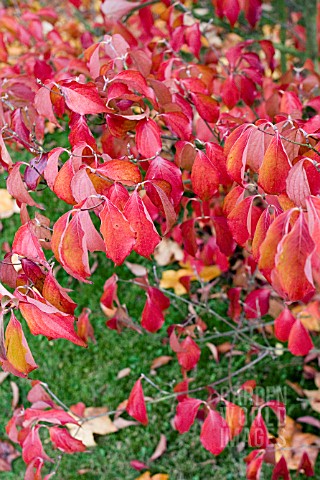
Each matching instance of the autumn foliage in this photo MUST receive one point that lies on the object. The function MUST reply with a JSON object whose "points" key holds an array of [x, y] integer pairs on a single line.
{"points": [[176, 135]]}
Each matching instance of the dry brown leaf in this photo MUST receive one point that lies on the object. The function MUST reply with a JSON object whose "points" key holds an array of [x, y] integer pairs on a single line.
{"points": [[7, 455], [123, 373], [160, 361], [8, 205], [101, 425], [168, 252], [15, 394], [160, 448], [292, 443], [296, 387]]}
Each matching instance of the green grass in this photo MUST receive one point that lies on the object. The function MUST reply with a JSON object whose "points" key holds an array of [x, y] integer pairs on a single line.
{"points": [[90, 375]]}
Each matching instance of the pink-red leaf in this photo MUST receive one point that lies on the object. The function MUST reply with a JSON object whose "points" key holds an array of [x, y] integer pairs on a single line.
{"points": [[215, 433], [118, 235], [136, 406], [299, 342], [148, 138], [186, 413]]}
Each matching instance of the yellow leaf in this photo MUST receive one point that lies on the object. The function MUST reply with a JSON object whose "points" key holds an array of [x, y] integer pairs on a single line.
{"points": [[171, 278]]}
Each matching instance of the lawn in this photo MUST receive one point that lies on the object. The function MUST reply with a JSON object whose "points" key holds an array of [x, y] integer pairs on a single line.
{"points": [[90, 376]]}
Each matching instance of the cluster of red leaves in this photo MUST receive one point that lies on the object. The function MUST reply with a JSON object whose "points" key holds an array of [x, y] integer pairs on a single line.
{"points": [[24, 427], [158, 146]]}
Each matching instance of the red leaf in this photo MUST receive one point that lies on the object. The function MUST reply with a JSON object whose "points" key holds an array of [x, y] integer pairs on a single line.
{"points": [[258, 434], [207, 107], [305, 465], [204, 177], [110, 292], [43, 320], [17, 189], [256, 304], [136, 406], [147, 237], [119, 236], [189, 355], [281, 470], [121, 171], [283, 324], [189, 237], [243, 219], [32, 448], [80, 132], [234, 310], [152, 316], [179, 124], [254, 464], [300, 342], [186, 413], [160, 199], [214, 433], [59, 417], [82, 98], [61, 439], [229, 92], [148, 138], [26, 244], [278, 408], [162, 169]]}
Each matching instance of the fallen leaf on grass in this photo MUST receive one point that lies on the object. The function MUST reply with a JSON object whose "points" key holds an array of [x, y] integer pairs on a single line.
{"points": [[3, 376], [7, 455], [8, 205], [123, 373], [314, 399], [160, 448], [213, 349], [168, 252], [101, 425], [15, 394], [136, 269], [121, 423], [160, 361], [171, 278], [292, 443], [157, 476], [310, 421]]}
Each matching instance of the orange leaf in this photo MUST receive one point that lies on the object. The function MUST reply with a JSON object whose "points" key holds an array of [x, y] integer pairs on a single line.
{"points": [[275, 167]]}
